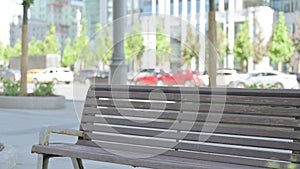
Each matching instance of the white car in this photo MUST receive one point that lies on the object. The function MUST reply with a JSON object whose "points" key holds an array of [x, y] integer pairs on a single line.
{"points": [[55, 75], [225, 77], [269, 79]]}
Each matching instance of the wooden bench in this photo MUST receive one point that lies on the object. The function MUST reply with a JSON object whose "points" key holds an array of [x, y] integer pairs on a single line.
{"points": [[173, 127]]}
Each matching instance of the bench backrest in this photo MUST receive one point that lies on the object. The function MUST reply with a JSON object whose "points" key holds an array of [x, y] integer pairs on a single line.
{"points": [[255, 127]]}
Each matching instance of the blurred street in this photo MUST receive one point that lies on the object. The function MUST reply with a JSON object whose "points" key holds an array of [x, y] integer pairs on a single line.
{"points": [[20, 129]]}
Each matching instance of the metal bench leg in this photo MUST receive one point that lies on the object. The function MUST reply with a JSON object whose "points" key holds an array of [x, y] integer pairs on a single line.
{"points": [[43, 162], [77, 163]]}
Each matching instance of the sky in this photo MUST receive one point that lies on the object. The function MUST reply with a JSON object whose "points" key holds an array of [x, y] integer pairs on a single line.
{"points": [[8, 8]]}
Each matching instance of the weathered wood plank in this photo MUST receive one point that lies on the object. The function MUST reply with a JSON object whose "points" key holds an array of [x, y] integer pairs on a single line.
{"points": [[195, 117], [204, 98]]}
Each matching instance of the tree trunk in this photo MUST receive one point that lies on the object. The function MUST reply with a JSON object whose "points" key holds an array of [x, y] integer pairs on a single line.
{"points": [[212, 60], [24, 58]]}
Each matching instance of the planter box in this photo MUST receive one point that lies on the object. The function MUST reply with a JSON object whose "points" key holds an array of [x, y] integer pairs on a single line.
{"points": [[32, 102]]}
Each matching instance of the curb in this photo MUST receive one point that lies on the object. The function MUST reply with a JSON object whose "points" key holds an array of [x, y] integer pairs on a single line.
{"points": [[8, 157], [31, 102]]}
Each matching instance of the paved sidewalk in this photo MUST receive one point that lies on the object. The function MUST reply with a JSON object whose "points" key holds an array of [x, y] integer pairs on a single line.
{"points": [[20, 129]]}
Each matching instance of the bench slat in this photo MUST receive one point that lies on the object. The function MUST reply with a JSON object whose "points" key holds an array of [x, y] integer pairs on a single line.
{"points": [[201, 90], [182, 154], [222, 139], [190, 146], [158, 162], [251, 100], [194, 107], [220, 128], [194, 117]]}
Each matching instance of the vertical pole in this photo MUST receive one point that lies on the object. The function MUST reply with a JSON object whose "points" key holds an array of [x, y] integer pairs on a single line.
{"points": [[118, 67], [212, 60], [230, 20], [24, 58], [202, 36]]}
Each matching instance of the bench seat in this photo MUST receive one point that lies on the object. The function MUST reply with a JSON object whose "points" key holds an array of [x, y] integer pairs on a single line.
{"points": [[174, 127], [160, 161]]}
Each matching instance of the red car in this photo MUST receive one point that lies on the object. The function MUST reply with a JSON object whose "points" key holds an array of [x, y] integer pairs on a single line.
{"points": [[181, 77], [147, 77]]}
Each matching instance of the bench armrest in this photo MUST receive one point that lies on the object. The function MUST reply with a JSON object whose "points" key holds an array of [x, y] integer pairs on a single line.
{"points": [[46, 131]]}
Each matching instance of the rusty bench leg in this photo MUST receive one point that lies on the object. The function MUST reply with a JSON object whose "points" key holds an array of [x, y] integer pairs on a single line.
{"points": [[77, 163], [43, 161]]}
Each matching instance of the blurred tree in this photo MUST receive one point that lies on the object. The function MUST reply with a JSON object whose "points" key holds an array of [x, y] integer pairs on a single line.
{"points": [[17, 50], [253, 3], [81, 46], [191, 46], [51, 42], [68, 58], [7, 53], [243, 48], [35, 47], [163, 46], [260, 49], [24, 59], [281, 47], [221, 43], [104, 44], [1, 50], [134, 47], [296, 37]]}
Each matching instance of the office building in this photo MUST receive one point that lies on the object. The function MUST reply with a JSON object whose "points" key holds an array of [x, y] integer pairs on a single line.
{"points": [[64, 14], [36, 29], [101, 12]]}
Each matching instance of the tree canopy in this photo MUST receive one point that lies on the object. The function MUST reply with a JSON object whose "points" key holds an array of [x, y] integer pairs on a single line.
{"points": [[68, 58], [163, 46], [104, 44], [281, 47], [52, 45], [134, 47], [243, 48], [191, 46]]}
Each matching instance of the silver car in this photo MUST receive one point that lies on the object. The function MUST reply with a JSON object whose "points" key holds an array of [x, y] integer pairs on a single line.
{"points": [[268, 79]]}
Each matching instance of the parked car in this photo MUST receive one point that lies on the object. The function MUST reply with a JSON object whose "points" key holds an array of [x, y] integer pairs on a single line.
{"points": [[83, 75], [55, 75], [101, 77], [297, 74], [11, 74], [181, 77], [273, 79], [31, 72], [226, 76], [147, 76]]}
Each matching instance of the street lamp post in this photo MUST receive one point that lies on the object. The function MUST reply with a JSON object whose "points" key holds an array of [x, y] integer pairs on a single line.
{"points": [[118, 67]]}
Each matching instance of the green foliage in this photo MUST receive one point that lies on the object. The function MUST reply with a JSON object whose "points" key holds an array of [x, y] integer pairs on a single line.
{"points": [[44, 89], [260, 49], [297, 37], [191, 46], [28, 2], [134, 47], [51, 42], [104, 44], [221, 43], [68, 58], [268, 86], [281, 47], [1, 51], [36, 47], [243, 48], [17, 50], [11, 88], [163, 46], [81, 45]]}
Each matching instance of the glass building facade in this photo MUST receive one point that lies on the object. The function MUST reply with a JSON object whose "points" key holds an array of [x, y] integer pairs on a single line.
{"points": [[61, 13]]}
